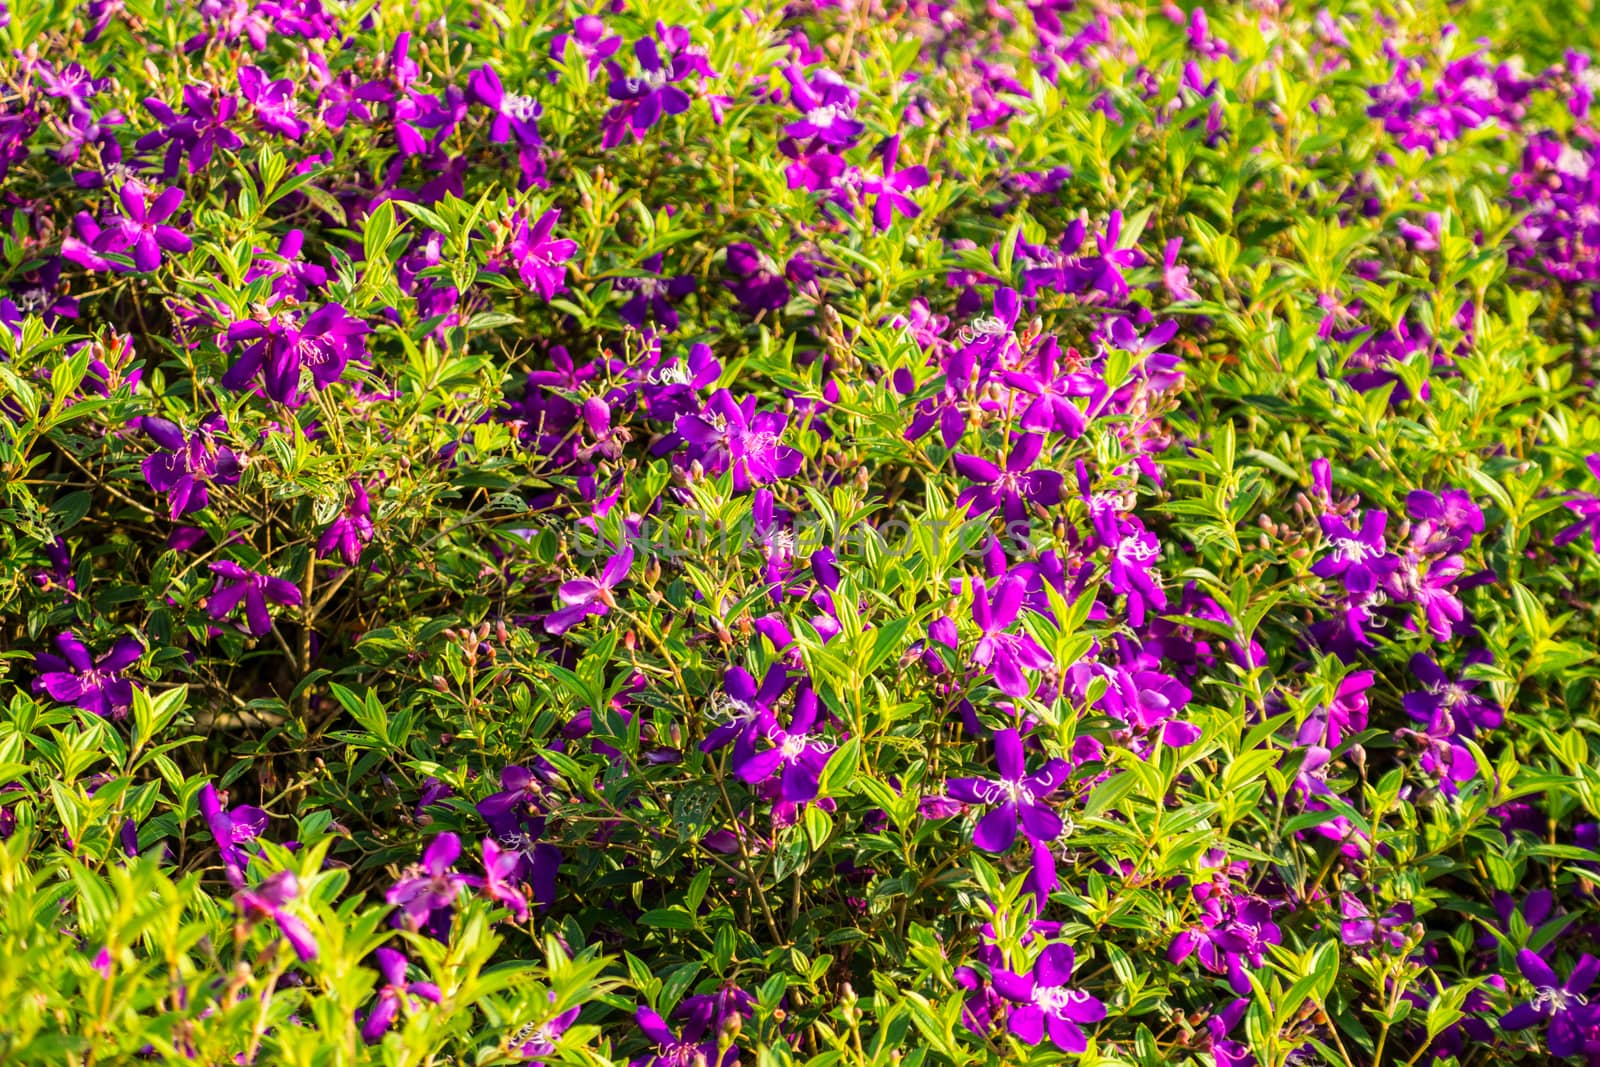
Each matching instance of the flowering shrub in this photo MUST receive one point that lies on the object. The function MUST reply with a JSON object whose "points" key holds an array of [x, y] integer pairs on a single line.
{"points": [[831, 533]]}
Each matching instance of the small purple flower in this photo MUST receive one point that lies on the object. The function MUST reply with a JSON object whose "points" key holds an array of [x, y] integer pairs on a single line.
{"points": [[1564, 1004], [95, 685], [1587, 507], [188, 466], [352, 530], [268, 900], [431, 886], [231, 828], [515, 115], [1016, 796], [540, 261], [1046, 1004], [692, 1046], [583, 597], [827, 108], [324, 343], [532, 1043], [276, 108], [653, 296], [1005, 655], [501, 868], [1013, 488], [142, 227], [730, 434], [1359, 556], [644, 97], [235, 584], [392, 990], [796, 755]]}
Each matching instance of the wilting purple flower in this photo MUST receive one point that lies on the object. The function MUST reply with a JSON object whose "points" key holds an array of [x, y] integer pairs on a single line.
{"points": [[1046, 1004], [392, 989], [1564, 1004], [267, 901], [796, 755], [325, 344], [584, 597], [95, 685], [758, 283], [230, 829], [1016, 796], [142, 227], [432, 885], [515, 115], [348, 533], [540, 261], [235, 584], [188, 467], [1005, 655]]}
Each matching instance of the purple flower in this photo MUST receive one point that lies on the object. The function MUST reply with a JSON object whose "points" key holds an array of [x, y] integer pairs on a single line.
{"points": [[276, 109], [1359, 556], [644, 97], [589, 38], [325, 344], [267, 901], [1587, 507], [747, 708], [352, 530], [391, 992], [1449, 703], [1013, 488], [501, 870], [583, 597], [540, 261], [827, 108], [758, 283], [730, 434], [1005, 655], [1564, 1004], [796, 755], [187, 467], [1016, 796], [515, 115], [540, 1040], [1234, 934], [1046, 1004], [693, 1045], [142, 227], [653, 296], [95, 685], [230, 829], [235, 584], [432, 885]]}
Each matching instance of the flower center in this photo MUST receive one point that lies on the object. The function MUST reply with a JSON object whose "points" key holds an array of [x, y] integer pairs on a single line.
{"points": [[1054, 999], [1552, 1000], [518, 106], [647, 80], [982, 326], [824, 116], [794, 745], [1350, 550]]}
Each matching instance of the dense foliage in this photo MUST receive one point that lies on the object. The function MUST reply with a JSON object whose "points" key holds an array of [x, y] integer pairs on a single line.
{"points": [[854, 532]]}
